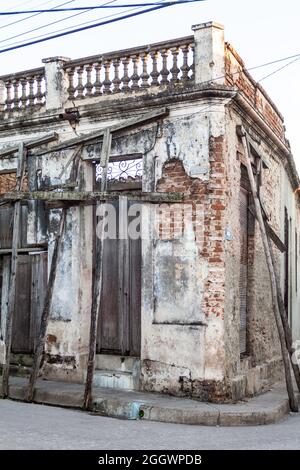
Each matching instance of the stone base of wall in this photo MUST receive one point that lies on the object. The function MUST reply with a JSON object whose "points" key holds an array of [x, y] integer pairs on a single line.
{"points": [[165, 378], [255, 380]]}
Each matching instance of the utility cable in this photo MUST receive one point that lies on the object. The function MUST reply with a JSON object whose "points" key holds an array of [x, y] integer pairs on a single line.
{"points": [[278, 70], [32, 16], [77, 30], [46, 25], [58, 10]]}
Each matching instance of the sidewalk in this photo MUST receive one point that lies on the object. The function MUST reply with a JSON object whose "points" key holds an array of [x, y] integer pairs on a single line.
{"points": [[267, 408]]}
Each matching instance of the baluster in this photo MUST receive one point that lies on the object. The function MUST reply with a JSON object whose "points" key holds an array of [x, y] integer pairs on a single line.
{"points": [[31, 96], [116, 81], [155, 73], [71, 88], [107, 81], [192, 67], [16, 99], [2, 96], [98, 82], [8, 101], [125, 78], [135, 76], [145, 75], [175, 70], [164, 71], [89, 84], [80, 87], [185, 68], [39, 94], [24, 92]]}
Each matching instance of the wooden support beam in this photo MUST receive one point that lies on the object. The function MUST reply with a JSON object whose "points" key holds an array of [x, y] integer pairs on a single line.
{"points": [[285, 323], [95, 136], [7, 152], [34, 249], [46, 310], [97, 285], [14, 269], [85, 196], [285, 356]]}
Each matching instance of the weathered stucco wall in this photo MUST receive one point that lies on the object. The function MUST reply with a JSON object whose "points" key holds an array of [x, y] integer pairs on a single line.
{"points": [[190, 280]]}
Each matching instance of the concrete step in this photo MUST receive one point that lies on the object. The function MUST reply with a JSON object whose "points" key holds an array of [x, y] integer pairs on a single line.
{"points": [[21, 359], [122, 380], [117, 363], [17, 370]]}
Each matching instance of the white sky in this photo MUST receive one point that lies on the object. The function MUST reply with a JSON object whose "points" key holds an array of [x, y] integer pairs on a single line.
{"points": [[260, 30]]}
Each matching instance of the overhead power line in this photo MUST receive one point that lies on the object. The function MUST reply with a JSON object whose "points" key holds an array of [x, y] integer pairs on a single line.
{"points": [[102, 23], [98, 7], [278, 70], [49, 24], [32, 16]]}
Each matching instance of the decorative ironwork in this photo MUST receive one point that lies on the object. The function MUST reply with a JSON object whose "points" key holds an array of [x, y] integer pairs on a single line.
{"points": [[122, 170]]}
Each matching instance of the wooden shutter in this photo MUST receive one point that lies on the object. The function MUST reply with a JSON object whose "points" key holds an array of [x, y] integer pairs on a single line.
{"points": [[243, 284]]}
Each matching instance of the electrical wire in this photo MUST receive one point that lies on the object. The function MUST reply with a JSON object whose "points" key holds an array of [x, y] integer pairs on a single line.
{"points": [[119, 18], [58, 10], [32, 16], [46, 25], [278, 70], [21, 4]]}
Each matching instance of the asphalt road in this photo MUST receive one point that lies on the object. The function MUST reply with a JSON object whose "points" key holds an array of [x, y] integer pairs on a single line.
{"points": [[28, 426]]}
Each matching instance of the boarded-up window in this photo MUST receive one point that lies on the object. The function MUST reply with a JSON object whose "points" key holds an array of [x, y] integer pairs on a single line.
{"points": [[31, 285], [296, 261], [6, 227], [243, 284]]}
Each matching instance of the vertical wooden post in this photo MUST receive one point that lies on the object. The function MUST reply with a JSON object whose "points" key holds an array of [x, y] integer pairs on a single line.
{"points": [[285, 356], [285, 323], [46, 310], [14, 269], [97, 287]]}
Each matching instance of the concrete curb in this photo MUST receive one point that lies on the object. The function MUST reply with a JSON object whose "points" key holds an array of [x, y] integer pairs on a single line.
{"points": [[268, 408]]}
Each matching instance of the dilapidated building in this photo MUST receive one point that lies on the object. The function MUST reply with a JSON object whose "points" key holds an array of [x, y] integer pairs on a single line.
{"points": [[185, 308]]}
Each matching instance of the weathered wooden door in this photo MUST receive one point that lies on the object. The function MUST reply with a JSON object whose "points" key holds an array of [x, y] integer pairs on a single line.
{"points": [[31, 285], [119, 326], [243, 283]]}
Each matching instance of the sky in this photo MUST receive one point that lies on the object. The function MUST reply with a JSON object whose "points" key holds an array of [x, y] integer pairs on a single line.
{"points": [[260, 30]]}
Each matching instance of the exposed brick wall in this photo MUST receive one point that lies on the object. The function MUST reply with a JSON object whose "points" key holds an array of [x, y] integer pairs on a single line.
{"points": [[235, 76], [7, 182], [210, 237]]}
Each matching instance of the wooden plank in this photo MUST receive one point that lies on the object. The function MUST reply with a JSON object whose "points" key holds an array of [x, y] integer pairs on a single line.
{"points": [[46, 311], [285, 323], [275, 238], [134, 301], [7, 152], [14, 269], [105, 158], [7, 251], [39, 279], [6, 227], [243, 278], [108, 337], [98, 280], [20, 343], [285, 356], [95, 136], [6, 266], [101, 196]]}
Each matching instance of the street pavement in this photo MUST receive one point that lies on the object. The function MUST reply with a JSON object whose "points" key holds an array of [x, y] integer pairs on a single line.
{"points": [[30, 426]]}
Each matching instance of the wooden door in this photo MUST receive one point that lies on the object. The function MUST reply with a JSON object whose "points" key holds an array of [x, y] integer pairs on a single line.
{"points": [[31, 283], [119, 326], [243, 282]]}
